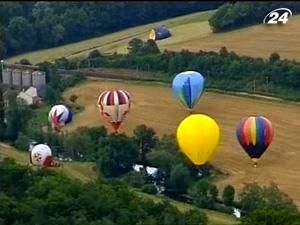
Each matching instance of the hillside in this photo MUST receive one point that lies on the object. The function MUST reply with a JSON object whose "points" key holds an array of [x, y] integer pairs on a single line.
{"points": [[190, 32], [152, 105], [85, 173]]}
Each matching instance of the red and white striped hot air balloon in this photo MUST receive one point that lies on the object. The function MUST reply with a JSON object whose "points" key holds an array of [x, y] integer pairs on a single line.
{"points": [[114, 105]]}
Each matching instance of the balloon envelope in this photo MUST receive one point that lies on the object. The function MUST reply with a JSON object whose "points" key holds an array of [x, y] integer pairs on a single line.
{"points": [[59, 116], [255, 134], [198, 136], [41, 155], [188, 87], [114, 105]]}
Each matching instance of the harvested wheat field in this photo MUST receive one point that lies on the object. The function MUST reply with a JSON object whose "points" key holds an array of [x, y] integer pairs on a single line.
{"points": [[156, 107], [255, 41]]}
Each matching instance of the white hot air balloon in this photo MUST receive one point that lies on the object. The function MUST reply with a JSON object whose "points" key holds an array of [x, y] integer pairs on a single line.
{"points": [[41, 155]]}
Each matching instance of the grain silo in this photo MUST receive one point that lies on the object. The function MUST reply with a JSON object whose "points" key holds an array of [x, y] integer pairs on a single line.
{"points": [[7, 76], [26, 78], [38, 79], [16, 77]]}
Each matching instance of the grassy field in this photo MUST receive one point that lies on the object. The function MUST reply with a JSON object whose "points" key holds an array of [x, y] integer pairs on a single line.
{"points": [[190, 32], [117, 41], [215, 218], [85, 173], [156, 107]]}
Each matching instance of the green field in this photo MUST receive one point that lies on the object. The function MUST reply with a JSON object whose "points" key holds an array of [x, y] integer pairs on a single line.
{"points": [[85, 173], [189, 32], [108, 43]]}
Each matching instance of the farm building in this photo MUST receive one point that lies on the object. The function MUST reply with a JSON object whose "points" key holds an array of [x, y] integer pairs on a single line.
{"points": [[23, 76], [30, 96], [159, 33]]}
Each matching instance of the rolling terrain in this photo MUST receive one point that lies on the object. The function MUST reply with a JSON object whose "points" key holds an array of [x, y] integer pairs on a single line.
{"points": [[189, 32], [155, 106]]}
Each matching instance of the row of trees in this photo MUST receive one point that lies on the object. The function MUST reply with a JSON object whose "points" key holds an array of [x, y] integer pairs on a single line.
{"points": [[232, 16], [43, 24], [223, 70]]}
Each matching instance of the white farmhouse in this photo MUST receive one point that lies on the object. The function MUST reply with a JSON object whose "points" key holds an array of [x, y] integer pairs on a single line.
{"points": [[30, 96]]}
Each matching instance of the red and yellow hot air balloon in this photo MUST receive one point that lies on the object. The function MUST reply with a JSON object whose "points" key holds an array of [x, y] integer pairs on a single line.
{"points": [[255, 134], [114, 105]]}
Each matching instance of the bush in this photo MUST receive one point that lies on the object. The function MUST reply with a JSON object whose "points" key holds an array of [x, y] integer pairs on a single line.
{"points": [[94, 54], [73, 98], [25, 62], [134, 179], [149, 189], [22, 142]]}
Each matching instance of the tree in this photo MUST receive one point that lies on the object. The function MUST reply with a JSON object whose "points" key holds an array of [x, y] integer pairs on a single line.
{"points": [[134, 179], [145, 137], [135, 46], [195, 217], [274, 57], [58, 33], [180, 179], [79, 147], [25, 61], [228, 195], [254, 197], [116, 155], [172, 68], [203, 194], [150, 47], [271, 217], [223, 51], [149, 188], [52, 95], [62, 63], [163, 160], [21, 34], [214, 192], [97, 134], [73, 98], [22, 142], [17, 116], [94, 54], [2, 107]]}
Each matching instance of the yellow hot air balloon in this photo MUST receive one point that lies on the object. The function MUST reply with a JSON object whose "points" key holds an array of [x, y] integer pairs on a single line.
{"points": [[198, 136]]}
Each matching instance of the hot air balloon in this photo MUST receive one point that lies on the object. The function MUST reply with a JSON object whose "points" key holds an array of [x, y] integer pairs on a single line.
{"points": [[59, 116], [198, 136], [188, 87], [41, 156], [114, 105], [255, 134]]}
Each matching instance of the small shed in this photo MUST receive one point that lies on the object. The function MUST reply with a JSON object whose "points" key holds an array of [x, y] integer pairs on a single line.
{"points": [[159, 33]]}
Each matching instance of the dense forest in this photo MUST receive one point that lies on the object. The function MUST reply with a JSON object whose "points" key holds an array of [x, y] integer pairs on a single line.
{"points": [[27, 26], [240, 14]]}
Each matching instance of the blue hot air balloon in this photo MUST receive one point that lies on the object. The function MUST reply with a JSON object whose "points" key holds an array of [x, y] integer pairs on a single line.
{"points": [[188, 87]]}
